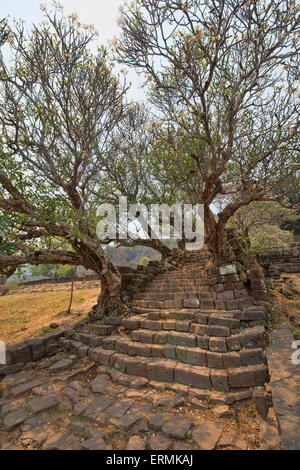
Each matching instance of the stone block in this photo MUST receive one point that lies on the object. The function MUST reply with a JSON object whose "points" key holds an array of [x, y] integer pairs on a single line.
{"points": [[231, 360], [136, 366], [121, 345], [191, 303], [157, 350], [193, 376], [102, 356], [234, 343], [253, 337], [183, 326], [219, 380], [151, 325], [240, 293], [161, 371], [11, 369], [159, 338], [202, 342], [220, 305], [219, 287], [214, 360], [37, 347], [20, 353], [248, 376], [217, 344], [201, 318], [193, 356], [120, 362], [252, 356], [169, 325], [227, 269], [220, 331], [207, 305], [132, 323], [231, 304], [202, 330], [227, 295], [182, 339], [146, 336], [170, 351], [139, 349], [233, 397]]}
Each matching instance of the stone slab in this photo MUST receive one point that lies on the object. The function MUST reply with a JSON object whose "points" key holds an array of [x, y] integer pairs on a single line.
{"points": [[285, 385]]}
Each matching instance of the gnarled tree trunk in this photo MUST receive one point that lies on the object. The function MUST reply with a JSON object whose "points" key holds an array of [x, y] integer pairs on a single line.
{"points": [[109, 300], [215, 238]]}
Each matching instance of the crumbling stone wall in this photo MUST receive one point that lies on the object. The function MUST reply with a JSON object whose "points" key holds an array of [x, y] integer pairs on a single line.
{"points": [[135, 280], [22, 355], [277, 261]]}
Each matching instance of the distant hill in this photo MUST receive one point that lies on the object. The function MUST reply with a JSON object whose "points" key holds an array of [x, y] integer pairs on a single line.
{"points": [[123, 256]]}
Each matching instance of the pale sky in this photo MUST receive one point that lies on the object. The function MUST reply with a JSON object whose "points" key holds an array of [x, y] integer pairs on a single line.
{"points": [[101, 13]]}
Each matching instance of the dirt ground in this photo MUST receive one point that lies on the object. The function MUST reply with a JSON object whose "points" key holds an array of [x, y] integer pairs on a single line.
{"points": [[35, 310]]}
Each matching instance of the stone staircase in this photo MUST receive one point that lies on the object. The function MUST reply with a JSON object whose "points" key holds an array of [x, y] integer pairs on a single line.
{"points": [[186, 333]]}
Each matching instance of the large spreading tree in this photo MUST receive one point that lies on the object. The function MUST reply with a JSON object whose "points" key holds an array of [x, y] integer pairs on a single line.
{"points": [[224, 78], [61, 112], [70, 141]]}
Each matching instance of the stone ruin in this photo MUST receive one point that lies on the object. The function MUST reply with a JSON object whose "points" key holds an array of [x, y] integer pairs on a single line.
{"points": [[198, 335], [185, 328]]}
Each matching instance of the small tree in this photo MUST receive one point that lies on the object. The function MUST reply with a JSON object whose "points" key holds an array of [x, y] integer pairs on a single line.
{"points": [[261, 216], [144, 261], [223, 76], [70, 142], [267, 237]]}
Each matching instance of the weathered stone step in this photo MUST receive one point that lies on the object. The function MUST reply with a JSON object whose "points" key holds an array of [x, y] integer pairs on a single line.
{"points": [[189, 326], [97, 329], [163, 296], [176, 281], [163, 370], [175, 295], [179, 277], [185, 327], [198, 324], [175, 303], [249, 315], [195, 395], [215, 354], [180, 288], [75, 347], [91, 340], [206, 304], [187, 321], [248, 338]]}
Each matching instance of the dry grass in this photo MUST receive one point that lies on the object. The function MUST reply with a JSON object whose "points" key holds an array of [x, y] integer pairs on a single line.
{"points": [[24, 315]]}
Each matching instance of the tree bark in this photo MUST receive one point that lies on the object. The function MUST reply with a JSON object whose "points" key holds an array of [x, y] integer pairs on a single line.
{"points": [[109, 301], [215, 238], [72, 290]]}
